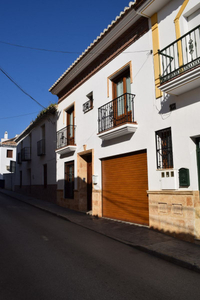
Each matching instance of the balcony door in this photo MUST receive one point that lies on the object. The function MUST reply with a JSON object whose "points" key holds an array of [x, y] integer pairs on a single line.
{"points": [[122, 104], [70, 127]]}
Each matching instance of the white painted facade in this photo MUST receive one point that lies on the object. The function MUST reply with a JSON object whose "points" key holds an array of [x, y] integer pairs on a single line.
{"points": [[31, 167], [87, 124], [7, 148], [151, 113]]}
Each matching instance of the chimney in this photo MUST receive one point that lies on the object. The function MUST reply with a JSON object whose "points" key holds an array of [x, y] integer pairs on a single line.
{"points": [[5, 135]]}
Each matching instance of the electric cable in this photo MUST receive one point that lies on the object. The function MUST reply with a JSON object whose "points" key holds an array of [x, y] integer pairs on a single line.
{"points": [[18, 116], [19, 87], [60, 51]]}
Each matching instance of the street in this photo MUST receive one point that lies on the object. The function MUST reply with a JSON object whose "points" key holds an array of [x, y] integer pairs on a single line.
{"points": [[45, 257]]}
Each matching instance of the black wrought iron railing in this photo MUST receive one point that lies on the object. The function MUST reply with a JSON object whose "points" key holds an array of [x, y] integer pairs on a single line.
{"points": [[26, 154], [116, 112], [180, 56], [66, 136], [41, 147]]}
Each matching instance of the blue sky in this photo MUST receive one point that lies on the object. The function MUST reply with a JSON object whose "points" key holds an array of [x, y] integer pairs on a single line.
{"points": [[59, 25]]}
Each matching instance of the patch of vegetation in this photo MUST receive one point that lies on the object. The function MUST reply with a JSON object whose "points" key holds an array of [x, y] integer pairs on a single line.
{"points": [[50, 109]]}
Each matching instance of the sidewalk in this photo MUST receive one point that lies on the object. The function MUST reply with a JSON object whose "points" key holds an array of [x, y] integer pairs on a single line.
{"points": [[179, 252]]}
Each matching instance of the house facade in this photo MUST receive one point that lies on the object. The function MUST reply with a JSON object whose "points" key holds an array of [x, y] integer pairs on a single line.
{"points": [[103, 134], [7, 156], [174, 205], [35, 173], [128, 126]]}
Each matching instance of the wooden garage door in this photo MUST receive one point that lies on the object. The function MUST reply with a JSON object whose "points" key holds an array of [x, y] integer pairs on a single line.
{"points": [[125, 186]]}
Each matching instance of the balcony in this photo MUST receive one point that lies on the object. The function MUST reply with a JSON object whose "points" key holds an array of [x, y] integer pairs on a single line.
{"points": [[26, 154], [41, 147], [116, 118], [66, 140], [180, 64]]}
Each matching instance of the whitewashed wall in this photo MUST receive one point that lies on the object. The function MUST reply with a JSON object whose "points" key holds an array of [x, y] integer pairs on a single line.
{"points": [[87, 124], [184, 121], [37, 162], [151, 114], [4, 160]]}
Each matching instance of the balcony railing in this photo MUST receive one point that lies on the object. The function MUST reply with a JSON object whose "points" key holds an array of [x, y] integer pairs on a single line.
{"points": [[180, 56], [41, 147], [66, 136], [26, 154], [116, 112]]}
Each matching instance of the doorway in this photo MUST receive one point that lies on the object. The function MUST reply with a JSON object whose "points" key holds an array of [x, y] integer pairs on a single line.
{"points": [[89, 181], [85, 180], [198, 159]]}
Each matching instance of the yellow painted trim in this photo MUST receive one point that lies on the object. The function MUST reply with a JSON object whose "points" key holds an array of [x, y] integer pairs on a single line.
{"points": [[156, 46], [181, 10], [115, 73], [178, 31]]}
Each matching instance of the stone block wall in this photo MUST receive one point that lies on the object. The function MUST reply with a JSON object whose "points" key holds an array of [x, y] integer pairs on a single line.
{"points": [[176, 213]]}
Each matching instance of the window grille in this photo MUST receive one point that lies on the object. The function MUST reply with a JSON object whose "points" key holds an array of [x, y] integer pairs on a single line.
{"points": [[164, 149]]}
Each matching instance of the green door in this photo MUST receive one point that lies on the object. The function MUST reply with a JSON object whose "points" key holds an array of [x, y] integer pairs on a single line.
{"points": [[198, 159]]}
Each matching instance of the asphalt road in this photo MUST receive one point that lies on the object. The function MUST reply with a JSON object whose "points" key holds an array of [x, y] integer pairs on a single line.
{"points": [[45, 257]]}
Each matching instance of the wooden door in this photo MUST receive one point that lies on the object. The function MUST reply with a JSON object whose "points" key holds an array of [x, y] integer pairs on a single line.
{"points": [[70, 127], [124, 188], [122, 103], [89, 183]]}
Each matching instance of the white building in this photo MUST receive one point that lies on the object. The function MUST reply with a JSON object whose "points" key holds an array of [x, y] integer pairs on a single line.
{"points": [[174, 183], [7, 154], [36, 162], [128, 125]]}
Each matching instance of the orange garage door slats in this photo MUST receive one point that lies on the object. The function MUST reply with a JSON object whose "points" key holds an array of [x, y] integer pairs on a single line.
{"points": [[125, 183]]}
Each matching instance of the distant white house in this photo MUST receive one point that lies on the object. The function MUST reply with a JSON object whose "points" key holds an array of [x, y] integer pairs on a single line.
{"points": [[35, 173], [7, 154]]}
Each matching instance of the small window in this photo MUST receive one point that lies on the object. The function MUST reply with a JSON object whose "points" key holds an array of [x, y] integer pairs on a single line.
{"points": [[45, 175], [10, 153], [89, 104], [20, 179], [164, 149], [69, 180]]}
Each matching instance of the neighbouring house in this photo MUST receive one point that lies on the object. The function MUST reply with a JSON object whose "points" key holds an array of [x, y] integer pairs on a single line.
{"points": [[35, 173], [128, 137], [7, 161], [174, 179]]}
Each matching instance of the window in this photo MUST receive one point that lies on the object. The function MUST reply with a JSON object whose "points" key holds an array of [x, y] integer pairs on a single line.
{"points": [[43, 131], [45, 175], [89, 104], [164, 149], [70, 127], [10, 153], [41, 143], [69, 180], [122, 106], [20, 179]]}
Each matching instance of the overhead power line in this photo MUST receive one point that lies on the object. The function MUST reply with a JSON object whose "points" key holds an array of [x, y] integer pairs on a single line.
{"points": [[39, 49], [19, 87], [18, 116], [60, 51]]}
